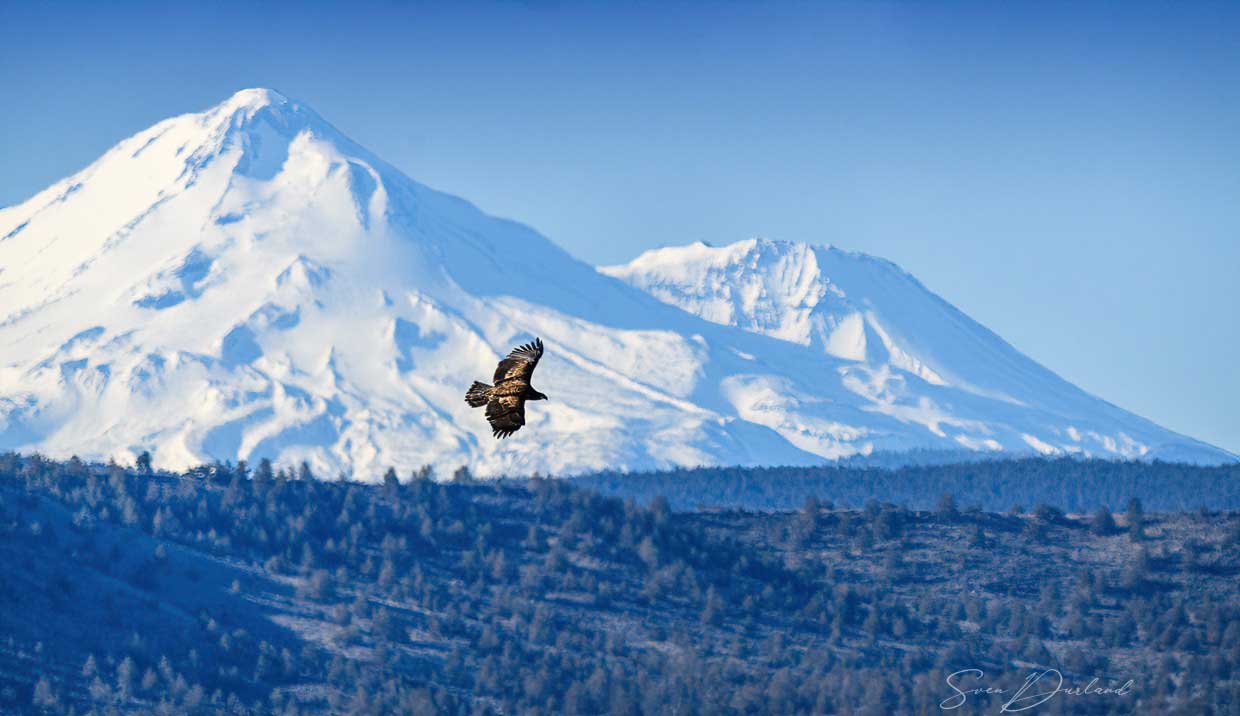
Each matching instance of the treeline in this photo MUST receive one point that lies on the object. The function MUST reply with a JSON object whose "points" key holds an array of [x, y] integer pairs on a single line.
{"points": [[231, 590], [1068, 484]]}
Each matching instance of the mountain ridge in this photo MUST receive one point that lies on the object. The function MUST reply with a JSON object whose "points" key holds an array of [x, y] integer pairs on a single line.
{"points": [[248, 282]]}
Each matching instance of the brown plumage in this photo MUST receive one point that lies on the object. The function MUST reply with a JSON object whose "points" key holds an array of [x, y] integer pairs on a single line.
{"points": [[505, 400]]}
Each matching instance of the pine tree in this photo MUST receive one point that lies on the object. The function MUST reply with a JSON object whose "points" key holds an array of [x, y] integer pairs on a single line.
{"points": [[1103, 523], [265, 474], [947, 506], [44, 696]]}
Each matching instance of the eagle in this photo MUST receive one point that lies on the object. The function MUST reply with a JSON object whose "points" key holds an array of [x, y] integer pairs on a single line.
{"points": [[505, 400]]}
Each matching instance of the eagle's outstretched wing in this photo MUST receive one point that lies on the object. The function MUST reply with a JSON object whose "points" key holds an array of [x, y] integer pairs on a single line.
{"points": [[519, 365], [506, 413]]}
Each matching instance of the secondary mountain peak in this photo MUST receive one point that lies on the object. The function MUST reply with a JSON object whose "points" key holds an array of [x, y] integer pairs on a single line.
{"points": [[792, 291]]}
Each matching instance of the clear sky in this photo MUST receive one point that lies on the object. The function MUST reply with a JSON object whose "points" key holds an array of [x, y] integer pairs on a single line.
{"points": [[1068, 174]]}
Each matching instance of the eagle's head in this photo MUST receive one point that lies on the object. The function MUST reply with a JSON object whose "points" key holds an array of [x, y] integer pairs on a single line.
{"points": [[535, 395]]}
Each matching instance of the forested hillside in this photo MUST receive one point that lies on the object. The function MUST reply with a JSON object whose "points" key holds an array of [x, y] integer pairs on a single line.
{"points": [[230, 590], [1069, 484]]}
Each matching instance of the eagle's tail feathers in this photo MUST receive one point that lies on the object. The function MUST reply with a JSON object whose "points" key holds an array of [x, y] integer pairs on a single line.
{"points": [[478, 394]]}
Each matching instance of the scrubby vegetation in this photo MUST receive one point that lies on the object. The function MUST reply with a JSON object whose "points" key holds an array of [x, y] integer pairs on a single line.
{"points": [[231, 590]]}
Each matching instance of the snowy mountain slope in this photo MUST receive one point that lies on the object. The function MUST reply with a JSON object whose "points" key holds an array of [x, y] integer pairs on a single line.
{"points": [[248, 282]]}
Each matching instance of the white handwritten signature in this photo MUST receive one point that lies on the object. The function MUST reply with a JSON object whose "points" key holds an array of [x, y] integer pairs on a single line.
{"points": [[1049, 684]]}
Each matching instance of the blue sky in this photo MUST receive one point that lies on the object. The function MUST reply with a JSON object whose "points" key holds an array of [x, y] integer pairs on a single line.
{"points": [[1068, 174]]}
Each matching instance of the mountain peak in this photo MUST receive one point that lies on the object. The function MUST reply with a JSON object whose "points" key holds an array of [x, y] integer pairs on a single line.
{"points": [[253, 99], [258, 110]]}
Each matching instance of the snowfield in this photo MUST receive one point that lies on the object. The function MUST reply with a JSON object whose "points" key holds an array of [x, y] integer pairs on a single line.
{"points": [[248, 282]]}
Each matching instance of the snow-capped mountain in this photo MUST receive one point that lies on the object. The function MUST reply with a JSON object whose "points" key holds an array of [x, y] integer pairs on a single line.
{"points": [[864, 310], [905, 351], [248, 282]]}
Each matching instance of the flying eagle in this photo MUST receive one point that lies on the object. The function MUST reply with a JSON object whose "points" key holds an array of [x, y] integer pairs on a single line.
{"points": [[505, 400]]}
